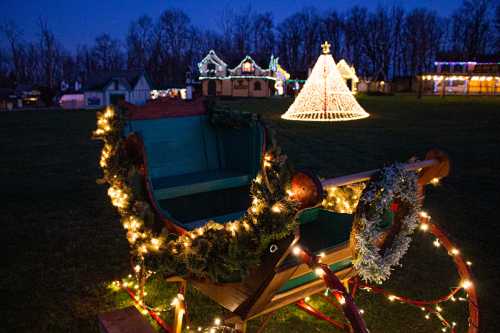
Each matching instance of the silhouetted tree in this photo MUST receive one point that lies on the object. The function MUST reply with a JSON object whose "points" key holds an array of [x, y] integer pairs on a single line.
{"points": [[421, 39], [139, 42], [263, 37], [107, 54], [333, 31], [471, 28], [355, 25]]}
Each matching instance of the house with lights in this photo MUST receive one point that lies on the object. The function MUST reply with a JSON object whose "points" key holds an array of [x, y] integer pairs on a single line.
{"points": [[102, 89], [247, 79], [463, 78]]}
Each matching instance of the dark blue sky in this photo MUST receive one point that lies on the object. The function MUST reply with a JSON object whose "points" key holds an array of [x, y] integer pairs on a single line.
{"points": [[79, 22]]}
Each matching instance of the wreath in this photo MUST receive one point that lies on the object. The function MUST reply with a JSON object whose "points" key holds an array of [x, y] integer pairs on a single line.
{"points": [[386, 216], [216, 251]]}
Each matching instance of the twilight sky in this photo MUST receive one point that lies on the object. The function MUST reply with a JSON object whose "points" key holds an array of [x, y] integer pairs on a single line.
{"points": [[79, 22]]}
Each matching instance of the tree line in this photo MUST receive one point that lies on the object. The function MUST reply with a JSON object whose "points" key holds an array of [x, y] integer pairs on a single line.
{"points": [[388, 42]]}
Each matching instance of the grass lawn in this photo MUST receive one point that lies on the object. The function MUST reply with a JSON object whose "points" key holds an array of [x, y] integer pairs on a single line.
{"points": [[64, 244]]}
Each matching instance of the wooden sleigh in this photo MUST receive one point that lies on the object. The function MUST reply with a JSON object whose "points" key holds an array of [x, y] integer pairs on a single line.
{"points": [[187, 162]]}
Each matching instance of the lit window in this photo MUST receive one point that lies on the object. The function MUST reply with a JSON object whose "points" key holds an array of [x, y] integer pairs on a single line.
{"points": [[247, 67]]}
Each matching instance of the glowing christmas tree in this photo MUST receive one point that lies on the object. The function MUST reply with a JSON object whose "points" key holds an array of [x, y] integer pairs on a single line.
{"points": [[325, 96]]}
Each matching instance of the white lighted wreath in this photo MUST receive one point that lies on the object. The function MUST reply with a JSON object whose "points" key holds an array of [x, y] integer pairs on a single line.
{"points": [[391, 184]]}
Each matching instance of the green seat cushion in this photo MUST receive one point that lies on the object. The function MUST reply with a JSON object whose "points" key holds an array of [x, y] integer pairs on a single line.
{"points": [[309, 277], [197, 182]]}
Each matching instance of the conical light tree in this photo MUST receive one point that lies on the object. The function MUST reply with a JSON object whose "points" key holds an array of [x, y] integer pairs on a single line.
{"points": [[325, 96]]}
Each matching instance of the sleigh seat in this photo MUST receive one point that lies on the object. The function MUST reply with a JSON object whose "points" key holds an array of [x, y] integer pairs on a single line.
{"points": [[197, 171]]}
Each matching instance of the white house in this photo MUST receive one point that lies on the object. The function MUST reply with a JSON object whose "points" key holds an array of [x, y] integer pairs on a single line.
{"points": [[247, 79], [348, 73], [109, 88]]}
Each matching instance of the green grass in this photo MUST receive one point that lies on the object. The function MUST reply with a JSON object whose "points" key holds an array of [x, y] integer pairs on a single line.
{"points": [[63, 243]]}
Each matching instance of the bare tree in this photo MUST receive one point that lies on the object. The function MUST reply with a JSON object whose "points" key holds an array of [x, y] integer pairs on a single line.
{"points": [[107, 54], [290, 43], [471, 26], [227, 30], [33, 64], [422, 35], [174, 28], [5, 69], [377, 41], [49, 54], [397, 18], [497, 28], [333, 31], [355, 25], [139, 42], [310, 25], [13, 35], [263, 37], [242, 31], [84, 62]]}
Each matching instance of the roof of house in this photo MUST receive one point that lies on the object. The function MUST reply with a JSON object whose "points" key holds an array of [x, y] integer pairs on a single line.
{"points": [[98, 81]]}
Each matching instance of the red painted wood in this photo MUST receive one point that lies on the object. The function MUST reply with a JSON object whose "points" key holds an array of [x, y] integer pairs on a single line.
{"points": [[165, 108], [351, 311], [463, 271], [167, 328], [366, 175], [320, 315]]}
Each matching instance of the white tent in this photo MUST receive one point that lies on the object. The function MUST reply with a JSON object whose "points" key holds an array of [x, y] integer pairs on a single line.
{"points": [[325, 96]]}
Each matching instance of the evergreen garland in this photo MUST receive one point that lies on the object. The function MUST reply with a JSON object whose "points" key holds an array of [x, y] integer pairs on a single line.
{"points": [[219, 252]]}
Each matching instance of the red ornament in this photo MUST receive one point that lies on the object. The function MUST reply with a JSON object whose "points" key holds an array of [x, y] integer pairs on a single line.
{"points": [[394, 207], [306, 189]]}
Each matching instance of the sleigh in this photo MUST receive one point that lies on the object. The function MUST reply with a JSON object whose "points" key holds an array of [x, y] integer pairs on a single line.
{"points": [[186, 161]]}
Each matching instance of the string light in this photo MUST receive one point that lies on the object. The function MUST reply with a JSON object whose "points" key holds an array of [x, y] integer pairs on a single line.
{"points": [[343, 199], [296, 250], [276, 208], [435, 181], [466, 284], [319, 271], [424, 226], [424, 215], [325, 96]]}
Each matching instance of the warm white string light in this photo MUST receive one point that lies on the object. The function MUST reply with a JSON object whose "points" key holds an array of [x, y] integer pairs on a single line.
{"points": [[325, 96]]}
